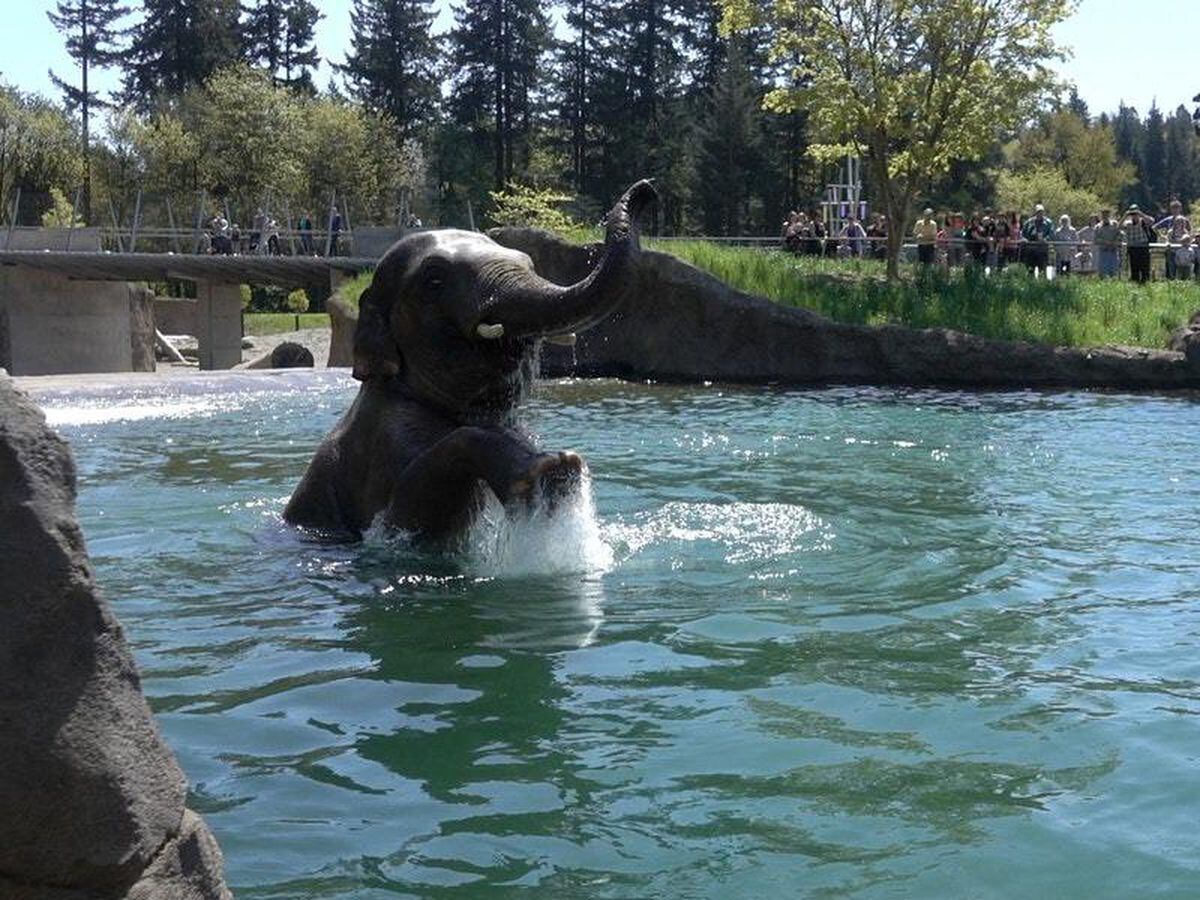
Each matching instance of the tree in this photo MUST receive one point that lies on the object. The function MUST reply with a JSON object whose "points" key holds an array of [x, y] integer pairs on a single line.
{"points": [[909, 85], [392, 63], [1181, 156], [178, 45], [39, 151], [90, 27], [278, 35], [729, 140], [1086, 154], [498, 45], [1021, 190], [1154, 159]]}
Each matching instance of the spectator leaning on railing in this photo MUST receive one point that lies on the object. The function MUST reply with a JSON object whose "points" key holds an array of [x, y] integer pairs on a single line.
{"points": [[1066, 244], [1037, 232], [1184, 256], [1173, 228], [925, 232], [1139, 235], [1108, 245]]}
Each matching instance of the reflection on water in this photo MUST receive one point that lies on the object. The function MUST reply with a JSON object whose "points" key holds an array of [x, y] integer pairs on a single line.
{"points": [[844, 643]]}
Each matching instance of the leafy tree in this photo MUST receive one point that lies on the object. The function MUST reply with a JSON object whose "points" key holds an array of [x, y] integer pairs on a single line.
{"points": [[1086, 154], [278, 35], [392, 63], [1022, 190], [532, 207], [909, 85], [177, 46], [62, 212], [92, 35], [39, 151]]}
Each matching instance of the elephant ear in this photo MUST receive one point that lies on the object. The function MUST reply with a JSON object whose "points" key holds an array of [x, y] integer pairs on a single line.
{"points": [[376, 355]]}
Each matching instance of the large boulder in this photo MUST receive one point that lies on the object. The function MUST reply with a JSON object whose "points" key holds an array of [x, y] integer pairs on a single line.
{"points": [[92, 799], [682, 324], [343, 319]]}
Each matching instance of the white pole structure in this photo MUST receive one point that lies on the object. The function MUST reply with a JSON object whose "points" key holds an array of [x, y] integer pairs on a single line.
{"points": [[199, 220], [470, 215], [112, 212], [346, 226], [329, 223], [171, 220], [12, 216], [291, 231]]}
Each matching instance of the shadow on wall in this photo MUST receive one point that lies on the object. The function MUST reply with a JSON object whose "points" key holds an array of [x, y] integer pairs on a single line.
{"points": [[92, 799]]}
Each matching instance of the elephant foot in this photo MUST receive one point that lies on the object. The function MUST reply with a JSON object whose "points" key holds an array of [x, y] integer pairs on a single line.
{"points": [[553, 478]]}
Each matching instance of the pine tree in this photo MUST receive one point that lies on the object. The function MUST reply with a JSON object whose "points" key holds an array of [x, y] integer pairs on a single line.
{"points": [[178, 45], [1130, 137], [92, 36], [392, 64], [498, 46], [278, 35], [729, 141], [1154, 159], [576, 81], [1181, 156]]}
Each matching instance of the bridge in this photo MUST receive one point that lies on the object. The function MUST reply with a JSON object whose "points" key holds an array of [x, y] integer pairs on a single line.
{"points": [[81, 310]]}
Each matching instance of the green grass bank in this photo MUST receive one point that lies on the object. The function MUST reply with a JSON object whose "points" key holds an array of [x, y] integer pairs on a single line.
{"points": [[278, 323], [1074, 311]]}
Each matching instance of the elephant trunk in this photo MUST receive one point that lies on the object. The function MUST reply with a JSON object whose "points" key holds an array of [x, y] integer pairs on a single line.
{"points": [[519, 303]]}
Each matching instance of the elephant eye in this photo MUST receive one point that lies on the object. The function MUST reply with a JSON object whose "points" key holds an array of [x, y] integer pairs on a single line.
{"points": [[433, 278]]}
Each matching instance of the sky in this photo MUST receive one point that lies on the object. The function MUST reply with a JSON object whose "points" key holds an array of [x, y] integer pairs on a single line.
{"points": [[1122, 50]]}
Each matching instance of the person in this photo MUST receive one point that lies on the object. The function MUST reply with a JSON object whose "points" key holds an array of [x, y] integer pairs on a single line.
{"points": [[1173, 227], [854, 235], [926, 233], [1139, 235], [1185, 258], [1108, 245], [977, 241], [1037, 232], [335, 230], [1066, 244], [1085, 259], [305, 227], [258, 227], [1012, 243]]}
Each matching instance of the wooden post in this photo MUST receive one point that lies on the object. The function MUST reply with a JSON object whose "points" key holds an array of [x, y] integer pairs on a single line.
{"points": [[137, 216], [116, 226]]}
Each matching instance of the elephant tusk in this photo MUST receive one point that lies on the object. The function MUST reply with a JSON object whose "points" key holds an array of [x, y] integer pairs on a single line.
{"points": [[489, 332], [563, 340]]}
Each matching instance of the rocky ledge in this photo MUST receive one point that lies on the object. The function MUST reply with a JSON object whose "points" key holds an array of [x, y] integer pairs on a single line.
{"points": [[682, 324], [92, 799]]}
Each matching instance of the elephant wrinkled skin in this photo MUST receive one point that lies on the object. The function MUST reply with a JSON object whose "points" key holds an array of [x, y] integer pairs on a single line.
{"points": [[446, 344]]}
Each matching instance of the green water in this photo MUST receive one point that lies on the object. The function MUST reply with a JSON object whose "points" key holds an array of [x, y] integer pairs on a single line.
{"points": [[840, 643]]}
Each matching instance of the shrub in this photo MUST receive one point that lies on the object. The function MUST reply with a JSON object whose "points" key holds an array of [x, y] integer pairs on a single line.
{"points": [[531, 207], [296, 301]]}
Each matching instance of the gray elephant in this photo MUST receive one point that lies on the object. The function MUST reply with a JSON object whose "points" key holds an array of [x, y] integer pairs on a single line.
{"points": [[445, 347]]}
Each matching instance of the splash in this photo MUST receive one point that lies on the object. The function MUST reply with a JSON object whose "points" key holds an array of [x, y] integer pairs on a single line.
{"points": [[566, 540]]}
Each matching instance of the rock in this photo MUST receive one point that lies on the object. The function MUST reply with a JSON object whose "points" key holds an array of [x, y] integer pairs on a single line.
{"points": [[247, 343], [1191, 348], [290, 355], [90, 795], [343, 319], [1179, 337], [141, 327], [682, 324]]}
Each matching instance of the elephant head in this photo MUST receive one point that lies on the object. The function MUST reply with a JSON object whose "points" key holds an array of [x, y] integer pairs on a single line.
{"points": [[453, 319]]}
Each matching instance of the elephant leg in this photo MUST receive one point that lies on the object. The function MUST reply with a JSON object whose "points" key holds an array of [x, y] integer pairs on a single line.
{"points": [[437, 492]]}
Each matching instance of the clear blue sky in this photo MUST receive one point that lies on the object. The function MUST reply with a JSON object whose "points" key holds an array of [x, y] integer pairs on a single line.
{"points": [[1122, 49]]}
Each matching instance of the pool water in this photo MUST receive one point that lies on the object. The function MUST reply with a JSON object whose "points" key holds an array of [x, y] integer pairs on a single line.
{"points": [[847, 642]]}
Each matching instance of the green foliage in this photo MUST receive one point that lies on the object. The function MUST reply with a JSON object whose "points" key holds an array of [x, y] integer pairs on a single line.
{"points": [[59, 213], [282, 323], [910, 85], [279, 36], [178, 45], [350, 291], [1084, 152], [38, 151], [247, 295], [1010, 306], [532, 208], [296, 301], [1020, 191]]}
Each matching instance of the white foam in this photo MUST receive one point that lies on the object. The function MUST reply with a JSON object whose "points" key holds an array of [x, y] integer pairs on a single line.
{"points": [[103, 413], [566, 541]]}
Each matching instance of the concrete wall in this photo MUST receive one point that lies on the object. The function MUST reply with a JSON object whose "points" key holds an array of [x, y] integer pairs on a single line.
{"points": [[78, 239], [50, 324], [175, 315], [218, 324]]}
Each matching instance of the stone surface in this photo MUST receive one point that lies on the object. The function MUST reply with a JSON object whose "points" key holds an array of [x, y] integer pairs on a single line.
{"points": [[89, 793], [681, 324], [141, 327], [342, 320], [290, 355]]}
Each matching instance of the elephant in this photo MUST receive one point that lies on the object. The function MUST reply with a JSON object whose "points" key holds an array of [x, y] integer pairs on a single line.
{"points": [[446, 347]]}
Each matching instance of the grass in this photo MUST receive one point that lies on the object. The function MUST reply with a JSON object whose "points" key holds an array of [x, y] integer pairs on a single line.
{"points": [[277, 323], [1079, 311]]}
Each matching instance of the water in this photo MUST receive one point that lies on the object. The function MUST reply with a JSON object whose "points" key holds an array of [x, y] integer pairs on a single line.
{"points": [[843, 643]]}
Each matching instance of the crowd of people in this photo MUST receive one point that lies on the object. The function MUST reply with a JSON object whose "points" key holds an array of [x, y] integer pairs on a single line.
{"points": [[222, 238], [1036, 241]]}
